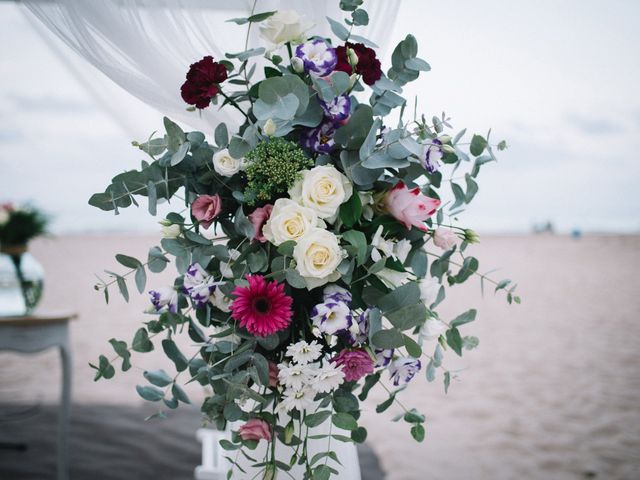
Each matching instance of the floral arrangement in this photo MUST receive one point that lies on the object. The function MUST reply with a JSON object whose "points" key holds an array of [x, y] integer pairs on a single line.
{"points": [[315, 242], [18, 225]]}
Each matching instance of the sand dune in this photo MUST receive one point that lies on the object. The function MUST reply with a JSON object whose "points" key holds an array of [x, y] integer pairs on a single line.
{"points": [[552, 392]]}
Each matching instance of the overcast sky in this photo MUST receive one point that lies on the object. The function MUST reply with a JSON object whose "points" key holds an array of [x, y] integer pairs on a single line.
{"points": [[557, 80]]}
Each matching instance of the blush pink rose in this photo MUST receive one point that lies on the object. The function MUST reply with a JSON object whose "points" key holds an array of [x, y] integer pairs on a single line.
{"points": [[205, 208], [355, 364], [258, 218], [444, 238], [410, 207], [273, 375], [255, 429]]}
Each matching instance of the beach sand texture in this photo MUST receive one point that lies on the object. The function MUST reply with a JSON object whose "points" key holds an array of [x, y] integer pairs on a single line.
{"points": [[551, 393]]}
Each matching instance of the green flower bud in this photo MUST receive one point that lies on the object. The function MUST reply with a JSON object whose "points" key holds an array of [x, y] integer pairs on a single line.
{"points": [[269, 128], [470, 236]]}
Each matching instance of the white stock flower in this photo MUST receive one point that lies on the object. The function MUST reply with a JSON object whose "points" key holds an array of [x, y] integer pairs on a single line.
{"points": [[381, 247], [328, 378], [303, 353], [225, 267], [323, 189], [288, 221], [220, 300], [317, 256], [401, 250], [366, 199], [393, 278], [224, 164], [168, 231], [432, 329], [284, 26], [429, 288]]}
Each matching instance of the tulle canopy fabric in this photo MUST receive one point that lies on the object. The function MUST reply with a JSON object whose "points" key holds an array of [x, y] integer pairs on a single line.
{"points": [[146, 46]]}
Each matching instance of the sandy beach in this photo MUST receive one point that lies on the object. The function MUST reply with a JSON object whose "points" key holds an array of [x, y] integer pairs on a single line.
{"points": [[551, 393]]}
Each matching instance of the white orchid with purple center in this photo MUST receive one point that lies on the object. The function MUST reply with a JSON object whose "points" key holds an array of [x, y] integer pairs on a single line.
{"points": [[199, 285]]}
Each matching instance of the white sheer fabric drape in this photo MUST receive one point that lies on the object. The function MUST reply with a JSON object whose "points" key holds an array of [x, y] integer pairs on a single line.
{"points": [[146, 46]]}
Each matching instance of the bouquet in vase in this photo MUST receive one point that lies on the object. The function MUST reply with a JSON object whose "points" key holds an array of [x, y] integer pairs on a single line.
{"points": [[313, 244]]}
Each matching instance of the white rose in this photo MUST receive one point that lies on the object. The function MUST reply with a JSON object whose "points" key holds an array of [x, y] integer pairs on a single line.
{"points": [[444, 238], [288, 221], [429, 288], [169, 231], [432, 329], [322, 189], [224, 164], [317, 255], [284, 26]]}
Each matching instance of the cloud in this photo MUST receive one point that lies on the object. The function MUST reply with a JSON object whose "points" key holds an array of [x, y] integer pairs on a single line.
{"points": [[591, 125]]}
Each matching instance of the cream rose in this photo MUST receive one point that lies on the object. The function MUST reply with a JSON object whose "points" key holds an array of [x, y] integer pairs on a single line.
{"points": [[288, 221], [224, 164], [318, 255], [322, 189], [284, 26]]}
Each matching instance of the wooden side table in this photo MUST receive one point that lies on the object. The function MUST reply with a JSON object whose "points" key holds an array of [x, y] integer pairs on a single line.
{"points": [[34, 333]]}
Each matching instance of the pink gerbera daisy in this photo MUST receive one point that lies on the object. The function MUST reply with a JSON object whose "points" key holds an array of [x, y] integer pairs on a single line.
{"points": [[262, 308]]}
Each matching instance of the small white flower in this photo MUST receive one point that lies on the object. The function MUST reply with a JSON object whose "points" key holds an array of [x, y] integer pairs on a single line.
{"points": [[401, 250], [303, 352], [224, 164], [300, 399], [429, 288], [328, 378], [220, 300], [170, 231], [295, 376], [432, 329]]}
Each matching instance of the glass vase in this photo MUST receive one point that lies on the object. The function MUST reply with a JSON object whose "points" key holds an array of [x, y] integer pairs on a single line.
{"points": [[21, 281]]}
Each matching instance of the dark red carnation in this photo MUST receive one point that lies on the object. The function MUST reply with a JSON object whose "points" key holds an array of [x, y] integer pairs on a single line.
{"points": [[368, 65], [202, 82]]}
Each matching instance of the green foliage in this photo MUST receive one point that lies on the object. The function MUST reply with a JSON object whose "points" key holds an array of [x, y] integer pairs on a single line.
{"points": [[273, 167], [23, 224]]}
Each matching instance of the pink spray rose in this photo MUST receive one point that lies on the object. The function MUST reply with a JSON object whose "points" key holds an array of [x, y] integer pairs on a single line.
{"points": [[410, 207], [444, 238], [355, 364], [258, 218], [255, 429], [205, 208]]}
